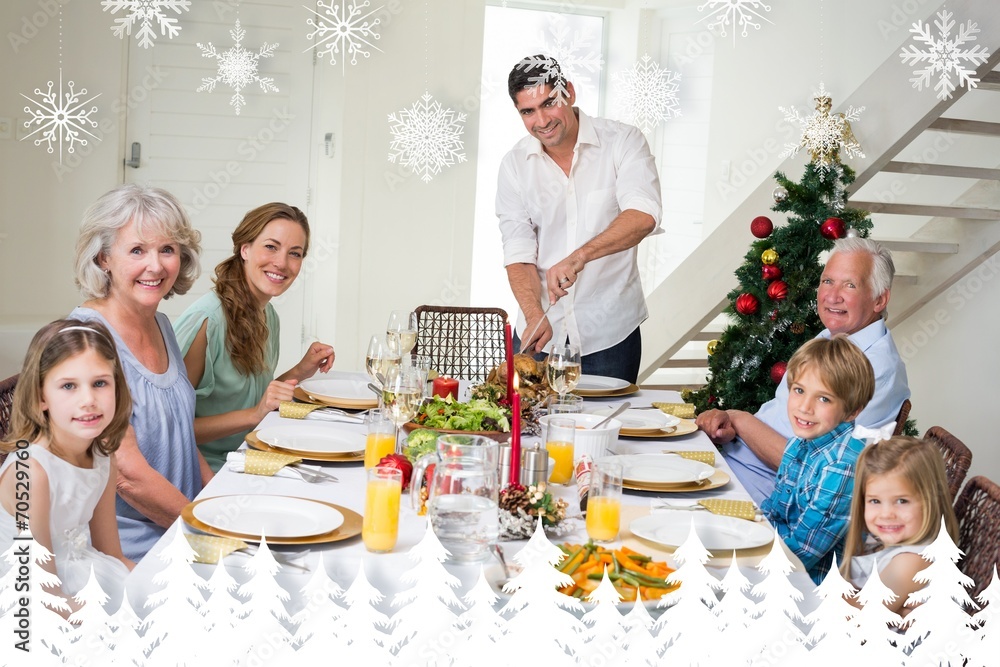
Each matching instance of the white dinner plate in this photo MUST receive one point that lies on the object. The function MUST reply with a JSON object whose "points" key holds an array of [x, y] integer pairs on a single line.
{"points": [[270, 516], [313, 438], [640, 420], [716, 532], [333, 389], [600, 383], [662, 469]]}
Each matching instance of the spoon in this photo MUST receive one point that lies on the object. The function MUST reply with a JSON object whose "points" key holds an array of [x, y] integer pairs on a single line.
{"points": [[498, 550], [621, 408]]}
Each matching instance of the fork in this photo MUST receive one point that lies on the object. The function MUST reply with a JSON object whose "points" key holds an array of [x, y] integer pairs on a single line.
{"points": [[312, 476], [281, 557]]}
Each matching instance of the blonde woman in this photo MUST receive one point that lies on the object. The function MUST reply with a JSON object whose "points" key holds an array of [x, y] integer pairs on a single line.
{"points": [[230, 336]]}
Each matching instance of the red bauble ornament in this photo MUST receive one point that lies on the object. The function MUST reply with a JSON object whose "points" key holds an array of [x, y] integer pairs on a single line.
{"points": [[747, 304], [774, 315], [761, 227], [770, 272], [778, 290], [778, 371], [833, 229]]}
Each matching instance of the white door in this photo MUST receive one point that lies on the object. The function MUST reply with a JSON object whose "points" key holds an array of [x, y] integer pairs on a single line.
{"points": [[220, 164]]}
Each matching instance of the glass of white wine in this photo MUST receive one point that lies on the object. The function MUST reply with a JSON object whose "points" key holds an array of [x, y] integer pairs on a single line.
{"points": [[401, 332], [402, 394], [562, 368]]}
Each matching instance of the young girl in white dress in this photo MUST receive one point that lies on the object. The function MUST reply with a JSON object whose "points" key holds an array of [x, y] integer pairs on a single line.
{"points": [[71, 409], [900, 496]]}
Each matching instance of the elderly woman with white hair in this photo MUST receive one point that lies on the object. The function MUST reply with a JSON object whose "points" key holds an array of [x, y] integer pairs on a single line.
{"points": [[136, 248]]}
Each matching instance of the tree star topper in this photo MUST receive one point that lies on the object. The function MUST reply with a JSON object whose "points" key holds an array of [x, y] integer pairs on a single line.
{"points": [[237, 67], [944, 55], [735, 13], [824, 134], [647, 94], [343, 29], [426, 137], [143, 12], [60, 117]]}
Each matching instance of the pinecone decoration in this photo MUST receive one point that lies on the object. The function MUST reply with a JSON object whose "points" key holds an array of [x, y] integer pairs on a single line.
{"points": [[515, 497], [798, 328]]}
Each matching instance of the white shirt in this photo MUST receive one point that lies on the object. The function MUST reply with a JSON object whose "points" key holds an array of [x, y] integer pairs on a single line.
{"points": [[545, 215]]}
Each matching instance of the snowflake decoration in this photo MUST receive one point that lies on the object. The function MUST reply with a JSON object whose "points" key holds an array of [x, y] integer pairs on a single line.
{"points": [[648, 94], [343, 29], [143, 12], [426, 137], [735, 13], [824, 135], [238, 67], [944, 55], [60, 117], [576, 53]]}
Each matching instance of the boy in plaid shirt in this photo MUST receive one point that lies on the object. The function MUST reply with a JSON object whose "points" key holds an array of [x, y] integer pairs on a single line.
{"points": [[830, 381]]}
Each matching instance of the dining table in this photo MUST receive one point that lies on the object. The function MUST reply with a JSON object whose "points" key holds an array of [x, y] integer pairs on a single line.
{"points": [[342, 559]]}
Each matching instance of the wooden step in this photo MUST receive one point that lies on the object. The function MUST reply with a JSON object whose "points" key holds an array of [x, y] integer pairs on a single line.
{"points": [[685, 363], [962, 126], [991, 81], [916, 245], [928, 210], [950, 170]]}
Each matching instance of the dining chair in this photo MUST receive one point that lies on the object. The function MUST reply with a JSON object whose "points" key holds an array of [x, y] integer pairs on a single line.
{"points": [[904, 412], [6, 404], [978, 512], [957, 457], [462, 342]]}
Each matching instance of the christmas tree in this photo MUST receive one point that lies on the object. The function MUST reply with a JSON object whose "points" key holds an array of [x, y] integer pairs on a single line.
{"points": [[773, 310]]}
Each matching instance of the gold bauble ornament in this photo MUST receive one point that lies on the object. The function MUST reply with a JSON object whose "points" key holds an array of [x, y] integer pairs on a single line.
{"points": [[712, 346], [769, 256]]}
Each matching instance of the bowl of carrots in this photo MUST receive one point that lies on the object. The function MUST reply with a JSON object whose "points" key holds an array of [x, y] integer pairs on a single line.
{"points": [[630, 571]]}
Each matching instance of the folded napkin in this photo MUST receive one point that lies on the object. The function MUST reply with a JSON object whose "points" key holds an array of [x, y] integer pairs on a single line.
{"points": [[704, 457], [296, 410], [256, 462], [211, 549], [682, 410], [741, 509]]}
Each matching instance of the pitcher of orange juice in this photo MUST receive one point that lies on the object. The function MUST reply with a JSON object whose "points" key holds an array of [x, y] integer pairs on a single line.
{"points": [[462, 495]]}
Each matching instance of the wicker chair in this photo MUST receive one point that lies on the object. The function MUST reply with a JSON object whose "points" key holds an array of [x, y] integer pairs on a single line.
{"points": [[978, 513], [957, 457], [6, 403], [461, 342], [904, 412]]}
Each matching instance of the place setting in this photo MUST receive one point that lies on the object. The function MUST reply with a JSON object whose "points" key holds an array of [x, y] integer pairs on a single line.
{"points": [[311, 442], [668, 473], [642, 423]]}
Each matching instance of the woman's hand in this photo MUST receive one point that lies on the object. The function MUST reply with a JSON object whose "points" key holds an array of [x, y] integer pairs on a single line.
{"points": [[276, 392], [319, 357]]}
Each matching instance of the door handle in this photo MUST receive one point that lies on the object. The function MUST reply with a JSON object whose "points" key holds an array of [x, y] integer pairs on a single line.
{"points": [[134, 161]]}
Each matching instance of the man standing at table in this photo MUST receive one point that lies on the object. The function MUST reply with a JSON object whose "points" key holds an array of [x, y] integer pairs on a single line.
{"points": [[574, 199], [852, 297]]}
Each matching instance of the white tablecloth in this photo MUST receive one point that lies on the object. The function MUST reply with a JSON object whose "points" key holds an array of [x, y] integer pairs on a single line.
{"points": [[342, 559]]}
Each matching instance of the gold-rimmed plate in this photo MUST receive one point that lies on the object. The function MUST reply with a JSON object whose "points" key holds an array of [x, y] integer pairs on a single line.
{"points": [[606, 393], [718, 479], [344, 403], [685, 427], [350, 527], [346, 457]]}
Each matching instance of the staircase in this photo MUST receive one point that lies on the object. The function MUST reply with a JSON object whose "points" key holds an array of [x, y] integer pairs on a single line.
{"points": [[930, 180]]}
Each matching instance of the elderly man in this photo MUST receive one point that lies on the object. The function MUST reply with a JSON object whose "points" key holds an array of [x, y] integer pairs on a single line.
{"points": [[578, 192], [852, 297]]}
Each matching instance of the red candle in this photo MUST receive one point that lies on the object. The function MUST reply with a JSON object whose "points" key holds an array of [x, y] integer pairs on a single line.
{"points": [[515, 434], [442, 387], [508, 342]]}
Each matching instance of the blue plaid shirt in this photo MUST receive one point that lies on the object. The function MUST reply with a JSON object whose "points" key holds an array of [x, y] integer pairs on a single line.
{"points": [[811, 502]]}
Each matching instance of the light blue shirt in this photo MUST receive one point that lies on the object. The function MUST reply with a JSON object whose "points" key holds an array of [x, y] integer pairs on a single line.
{"points": [[163, 419], [891, 389]]}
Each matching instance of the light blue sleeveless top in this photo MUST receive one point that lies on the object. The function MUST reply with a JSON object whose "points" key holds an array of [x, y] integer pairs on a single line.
{"points": [[163, 419]]}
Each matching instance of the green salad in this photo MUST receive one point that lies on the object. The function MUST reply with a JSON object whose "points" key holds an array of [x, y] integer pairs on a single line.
{"points": [[476, 415]]}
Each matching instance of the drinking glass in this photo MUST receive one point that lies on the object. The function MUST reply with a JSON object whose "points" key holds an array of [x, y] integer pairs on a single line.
{"points": [[381, 437], [380, 525], [378, 359], [562, 368], [401, 332], [560, 433], [402, 394], [565, 404], [421, 362], [604, 501]]}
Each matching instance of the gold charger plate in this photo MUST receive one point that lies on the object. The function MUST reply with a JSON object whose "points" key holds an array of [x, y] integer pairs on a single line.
{"points": [[350, 457], [686, 427], [606, 393], [499, 436], [342, 403], [718, 478], [348, 529]]}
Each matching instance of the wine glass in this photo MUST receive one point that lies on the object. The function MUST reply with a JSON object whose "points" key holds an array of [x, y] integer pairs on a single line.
{"points": [[562, 367], [379, 359], [402, 394], [401, 332]]}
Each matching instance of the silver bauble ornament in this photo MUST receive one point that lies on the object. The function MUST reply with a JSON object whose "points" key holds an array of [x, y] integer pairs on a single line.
{"points": [[780, 194], [852, 233]]}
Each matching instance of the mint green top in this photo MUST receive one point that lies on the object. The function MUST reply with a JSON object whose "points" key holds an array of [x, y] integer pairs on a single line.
{"points": [[223, 388]]}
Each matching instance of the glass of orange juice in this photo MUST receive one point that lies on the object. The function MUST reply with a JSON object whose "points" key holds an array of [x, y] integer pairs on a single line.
{"points": [[380, 525], [381, 438], [559, 436], [604, 502]]}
